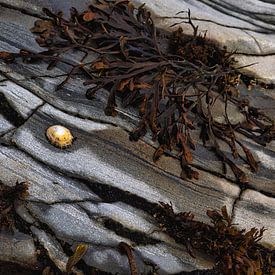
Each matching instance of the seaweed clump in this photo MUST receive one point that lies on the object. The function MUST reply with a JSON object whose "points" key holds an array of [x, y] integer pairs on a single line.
{"points": [[174, 80], [235, 251]]}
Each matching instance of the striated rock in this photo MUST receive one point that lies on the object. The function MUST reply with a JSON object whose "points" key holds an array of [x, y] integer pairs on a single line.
{"points": [[20, 99], [18, 248], [45, 185], [5, 125], [54, 250], [99, 154], [246, 27], [256, 210], [101, 190]]}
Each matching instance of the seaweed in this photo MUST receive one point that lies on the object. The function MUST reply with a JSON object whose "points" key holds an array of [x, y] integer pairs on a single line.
{"points": [[173, 79], [235, 251]]}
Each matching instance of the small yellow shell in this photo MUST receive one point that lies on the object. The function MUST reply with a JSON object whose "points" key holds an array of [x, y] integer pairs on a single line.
{"points": [[59, 136]]}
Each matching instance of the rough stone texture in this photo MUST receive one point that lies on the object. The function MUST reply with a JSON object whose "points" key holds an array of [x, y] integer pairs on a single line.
{"points": [[74, 214], [245, 26], [54, 250], [5, 125], [21, 100], [46, 185], [99, 153], [73, 192], [18, 248], [72, 100], [250, 202]]}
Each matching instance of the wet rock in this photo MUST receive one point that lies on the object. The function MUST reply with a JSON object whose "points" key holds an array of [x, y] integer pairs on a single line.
{"points": [[5, 125], [98, 155], [54, 250], [18, 248], [103, 181], [230, 24], [256, 210], [20, 99]]}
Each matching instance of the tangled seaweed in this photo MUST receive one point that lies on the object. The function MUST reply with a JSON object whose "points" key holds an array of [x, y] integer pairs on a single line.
{"points": [[235, 251], [174, 79]]}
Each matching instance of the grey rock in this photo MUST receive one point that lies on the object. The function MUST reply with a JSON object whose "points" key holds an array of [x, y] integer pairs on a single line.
{"points": [[229, 23], [5, 138], [20, 99], [14, 32], [45, 185], [68, 196], [83, 160], [69, 221], [73, 225], [18, 248], [72, 100], [59, 209], [169, 260], [35, 6], [54, 250], [129, 217], [5, 125], [108, 259], [256, 210], [23, 212], [98, 156]]}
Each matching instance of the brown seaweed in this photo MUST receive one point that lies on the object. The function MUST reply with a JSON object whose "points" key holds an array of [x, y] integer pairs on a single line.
{"points": [[235, 250], [166, 76]]}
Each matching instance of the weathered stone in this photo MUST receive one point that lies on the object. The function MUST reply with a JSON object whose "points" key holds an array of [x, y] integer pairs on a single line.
{"points": [[230, 24], [13, 24], [5, 125], [20, 99], [35, 6], [23, 212], [18, 248], [256, 210], [69, 208], [72, 100], [100, 152], [83, 161], [45, 185], [54, 250], [68, 201]]}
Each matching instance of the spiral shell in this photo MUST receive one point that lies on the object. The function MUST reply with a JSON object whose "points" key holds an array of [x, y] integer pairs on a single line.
{"points": [[59, 136]]}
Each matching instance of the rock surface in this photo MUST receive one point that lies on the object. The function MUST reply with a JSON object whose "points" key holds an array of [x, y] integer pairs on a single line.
{"points": [[246, 27], [105, 177], [18, 248]]}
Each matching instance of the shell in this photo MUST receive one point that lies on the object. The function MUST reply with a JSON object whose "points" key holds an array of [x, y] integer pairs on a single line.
{"points": [[59, 136]]}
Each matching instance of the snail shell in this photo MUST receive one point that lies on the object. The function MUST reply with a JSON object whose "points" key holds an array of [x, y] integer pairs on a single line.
{"points": [[59, 136]]}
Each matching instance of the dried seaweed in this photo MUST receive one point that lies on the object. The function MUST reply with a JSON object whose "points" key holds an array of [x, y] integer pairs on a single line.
{"points": [[10, 196], [79, 252], [235, 251], [173, 79], [126, 249]]}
